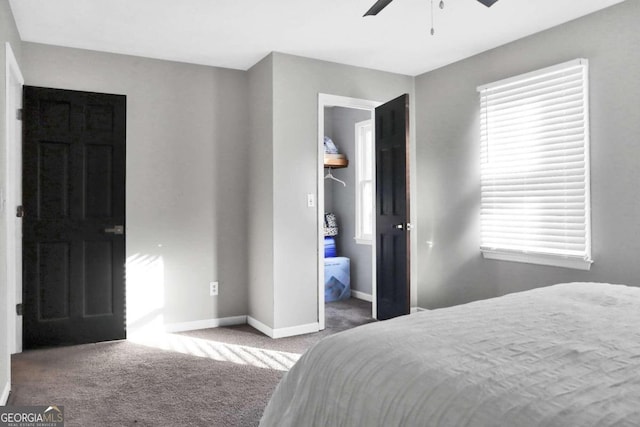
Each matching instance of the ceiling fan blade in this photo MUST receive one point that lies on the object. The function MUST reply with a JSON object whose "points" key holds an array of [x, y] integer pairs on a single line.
{"points": [[377, 7], [487, 3]]}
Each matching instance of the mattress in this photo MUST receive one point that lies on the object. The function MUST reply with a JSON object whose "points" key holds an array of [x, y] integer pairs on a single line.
{"points": [[564, 355], [337, 279]]}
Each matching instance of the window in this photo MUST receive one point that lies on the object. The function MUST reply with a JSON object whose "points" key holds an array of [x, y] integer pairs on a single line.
{"points": [[364, 182], [535, 204]]}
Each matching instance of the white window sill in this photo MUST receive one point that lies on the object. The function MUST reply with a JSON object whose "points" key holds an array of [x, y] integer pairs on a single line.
{"points": [[541, 259], [361, 241]]}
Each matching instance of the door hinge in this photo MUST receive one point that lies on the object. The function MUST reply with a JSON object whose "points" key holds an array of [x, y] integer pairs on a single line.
{"points": [[19, 309], [20, 212], [19, 114]]}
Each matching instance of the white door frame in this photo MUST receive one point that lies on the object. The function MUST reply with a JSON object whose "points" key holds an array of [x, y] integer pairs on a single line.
{"points": [[13, 198], [326, 100]]}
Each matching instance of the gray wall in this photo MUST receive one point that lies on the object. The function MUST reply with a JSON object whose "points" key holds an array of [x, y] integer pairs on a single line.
{"points": [[8, 33], [187, 161], [343, 199], [452, 271], [296, 84], [260, 206], [201, 205]]}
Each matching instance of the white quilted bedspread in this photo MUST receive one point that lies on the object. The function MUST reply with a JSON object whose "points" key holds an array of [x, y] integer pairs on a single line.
{"points": [[565, 355]]}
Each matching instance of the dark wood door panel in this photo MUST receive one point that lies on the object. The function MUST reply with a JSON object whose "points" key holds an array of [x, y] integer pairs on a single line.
{"points": [[392, 209], [74, 189]]}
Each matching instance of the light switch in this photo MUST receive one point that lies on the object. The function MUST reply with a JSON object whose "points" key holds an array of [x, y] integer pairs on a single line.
{"points": [[311, 200]]}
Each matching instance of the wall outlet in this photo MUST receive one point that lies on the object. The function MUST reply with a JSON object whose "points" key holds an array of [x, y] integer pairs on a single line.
{"points": [[213, 289]]}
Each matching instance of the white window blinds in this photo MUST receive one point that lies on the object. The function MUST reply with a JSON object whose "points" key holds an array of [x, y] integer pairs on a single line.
{"points": [[535, 167]]}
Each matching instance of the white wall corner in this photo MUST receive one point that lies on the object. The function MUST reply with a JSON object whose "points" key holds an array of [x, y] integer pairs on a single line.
{"points": [[4, 397], [205, 324], [361, 295]]}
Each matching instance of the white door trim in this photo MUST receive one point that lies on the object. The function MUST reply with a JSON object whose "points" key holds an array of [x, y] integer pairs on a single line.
{"points": [[13, 197], [326, 100]]}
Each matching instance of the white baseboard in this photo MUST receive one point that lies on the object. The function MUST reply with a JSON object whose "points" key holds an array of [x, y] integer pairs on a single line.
{"points": [[361, 295], [296, 330], [268, 331], [205, 324], [4, 397], [243, 320], [283, 332]]}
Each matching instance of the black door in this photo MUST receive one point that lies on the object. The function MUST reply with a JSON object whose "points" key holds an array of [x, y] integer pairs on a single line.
{"points": [[392, 208], [73, 226]]}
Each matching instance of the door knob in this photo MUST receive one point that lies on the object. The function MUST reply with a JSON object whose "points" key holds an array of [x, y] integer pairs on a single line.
{"points": [[398, 226], [117, 229]]}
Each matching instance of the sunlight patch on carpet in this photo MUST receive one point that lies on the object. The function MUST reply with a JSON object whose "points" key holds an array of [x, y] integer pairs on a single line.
{"points": [[240, 354]]}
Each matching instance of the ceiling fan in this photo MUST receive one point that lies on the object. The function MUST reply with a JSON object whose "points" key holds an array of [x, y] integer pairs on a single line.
{"points": [[381, 4]]}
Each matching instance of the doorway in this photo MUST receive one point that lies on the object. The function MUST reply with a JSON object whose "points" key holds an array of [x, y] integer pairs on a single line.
{"points": [[340, 119], [12, 199]]}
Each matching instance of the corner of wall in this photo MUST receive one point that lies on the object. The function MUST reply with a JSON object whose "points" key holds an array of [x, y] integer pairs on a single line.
{"points": [[260, 194]]}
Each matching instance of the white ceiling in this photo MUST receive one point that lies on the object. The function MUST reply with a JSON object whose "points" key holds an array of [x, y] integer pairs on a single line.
{"points": [[238, 33]]}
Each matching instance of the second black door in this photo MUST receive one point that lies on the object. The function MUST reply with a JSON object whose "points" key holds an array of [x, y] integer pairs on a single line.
{"points": [[392, 209]]}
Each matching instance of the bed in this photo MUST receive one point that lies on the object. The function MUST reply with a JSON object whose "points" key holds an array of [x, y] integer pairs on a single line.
{"points": [[564, 355]]}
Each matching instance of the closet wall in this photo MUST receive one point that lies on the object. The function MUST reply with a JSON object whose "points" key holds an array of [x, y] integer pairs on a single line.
{"points": [[339, 125]]}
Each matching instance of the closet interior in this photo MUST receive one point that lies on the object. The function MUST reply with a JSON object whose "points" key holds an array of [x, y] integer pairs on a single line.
{"points": [[347, 160]]}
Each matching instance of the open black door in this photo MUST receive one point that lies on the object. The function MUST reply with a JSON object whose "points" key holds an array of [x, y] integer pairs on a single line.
{"points": [[392, 208], [74, 212]]}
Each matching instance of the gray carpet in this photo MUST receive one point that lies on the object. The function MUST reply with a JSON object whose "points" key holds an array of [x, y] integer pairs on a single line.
{"points": [[124, 383]]}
